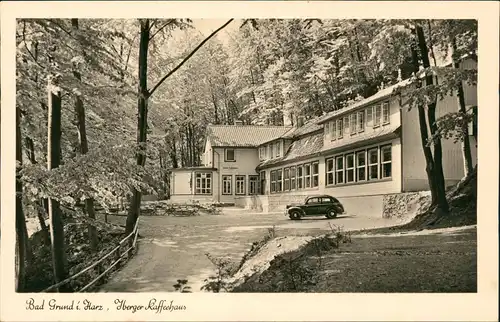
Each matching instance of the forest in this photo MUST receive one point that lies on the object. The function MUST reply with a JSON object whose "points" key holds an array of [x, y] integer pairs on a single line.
{"points": [[106, 108]]}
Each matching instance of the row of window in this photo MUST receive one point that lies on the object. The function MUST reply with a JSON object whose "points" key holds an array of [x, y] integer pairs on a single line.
{"points": [[360, 166], [270, 151], [240, 185], [295, 178], [203, 184], [356, 122]]}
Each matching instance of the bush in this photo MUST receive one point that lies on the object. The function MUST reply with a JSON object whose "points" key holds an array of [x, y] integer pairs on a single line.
{"points": [[220, 281]]}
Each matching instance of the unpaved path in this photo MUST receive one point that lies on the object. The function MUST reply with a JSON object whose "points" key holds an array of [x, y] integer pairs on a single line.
{"points": [[174, 248]]}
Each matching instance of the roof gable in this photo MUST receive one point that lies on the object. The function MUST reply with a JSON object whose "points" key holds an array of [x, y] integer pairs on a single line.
{"points": [[243, 135]]}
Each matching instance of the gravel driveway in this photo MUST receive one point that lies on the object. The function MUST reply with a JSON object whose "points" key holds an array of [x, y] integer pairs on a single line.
{"points": [[173, 248]]}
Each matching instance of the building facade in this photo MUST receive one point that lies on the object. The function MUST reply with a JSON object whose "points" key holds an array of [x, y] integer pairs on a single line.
{"points": [[358, 154]]}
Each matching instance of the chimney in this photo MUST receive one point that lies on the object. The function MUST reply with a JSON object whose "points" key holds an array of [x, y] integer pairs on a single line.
{"points": [[238, 122], [287, 120], [300, 121]]}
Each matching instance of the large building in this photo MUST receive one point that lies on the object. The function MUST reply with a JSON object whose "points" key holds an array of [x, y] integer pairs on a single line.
{"points": [[358, 154]]}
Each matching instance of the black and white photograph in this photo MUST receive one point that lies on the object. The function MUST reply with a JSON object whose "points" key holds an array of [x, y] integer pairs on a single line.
{"points": [[244, 155]]}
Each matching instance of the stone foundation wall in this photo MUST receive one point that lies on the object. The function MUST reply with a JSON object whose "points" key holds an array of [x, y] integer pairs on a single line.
{"points": [[359, 206], [257, 202], [404, 205], [191, 198]]}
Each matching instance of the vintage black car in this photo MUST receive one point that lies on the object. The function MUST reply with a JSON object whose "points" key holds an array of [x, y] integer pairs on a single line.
{"points": [[323, 205]]}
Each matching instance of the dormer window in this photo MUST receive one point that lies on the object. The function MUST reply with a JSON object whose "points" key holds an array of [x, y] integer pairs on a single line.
{"points": [[340, 128], [385, 113], [353, 123], [333, 130], [278, 149], [377, 113], [229, 155], [361, 121], [262, 153]]}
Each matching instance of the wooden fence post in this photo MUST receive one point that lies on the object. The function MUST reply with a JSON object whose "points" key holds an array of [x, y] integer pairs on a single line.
{"points": [[118, 256]]}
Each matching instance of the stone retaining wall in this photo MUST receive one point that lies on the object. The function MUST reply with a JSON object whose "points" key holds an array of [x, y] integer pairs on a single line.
{"points": [[404, 205]]}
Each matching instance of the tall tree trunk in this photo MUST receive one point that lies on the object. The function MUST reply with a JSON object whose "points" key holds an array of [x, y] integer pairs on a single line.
{"points": [[43, 206], [23, 250], [173, 154], [84, 148], [424, 136], [466, 152], [253, 83], [142, 119], [216, 109], [53, 162], [442, 203]]}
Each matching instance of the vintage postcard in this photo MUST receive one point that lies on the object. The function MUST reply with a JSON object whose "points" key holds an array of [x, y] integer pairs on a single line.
{"points": [[304, 160]]}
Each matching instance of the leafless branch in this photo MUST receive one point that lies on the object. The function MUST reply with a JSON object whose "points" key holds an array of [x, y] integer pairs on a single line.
{"points": [[61, 27], [187, 57], [27, 47], [171, 21]]}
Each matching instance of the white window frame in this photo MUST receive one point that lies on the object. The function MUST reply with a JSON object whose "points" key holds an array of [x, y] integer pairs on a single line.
{"points": [[279, 180], [226, 159], [314, 175], [286, 179], [273, 181], [339, 170], [199, 190], [224, 184], [353, 127], [240, 185], [347, 125], [330, 172], [300, 178], [361, 121], [340, 128], [253, 184], [386, 113], [307, 176], [351, 169], [370, 164], [262, 153], [358, 166], [278, 149], [293, 178], [333, 130], [385, 162], [369, 116], [377, 115]]}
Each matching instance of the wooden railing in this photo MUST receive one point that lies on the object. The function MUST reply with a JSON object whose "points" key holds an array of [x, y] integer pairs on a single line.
{"points": [[119, 255]]}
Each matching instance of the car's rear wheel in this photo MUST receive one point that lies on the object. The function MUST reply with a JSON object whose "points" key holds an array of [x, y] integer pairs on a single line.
{"points": [[295, 215], [331, 214]]}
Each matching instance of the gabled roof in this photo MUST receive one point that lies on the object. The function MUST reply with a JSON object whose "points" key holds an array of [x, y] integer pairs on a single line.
{"points": [[243, 135], [380, 95], [387, 131], [384, 93], [309, 127], [312, 145], [304, 147]]}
